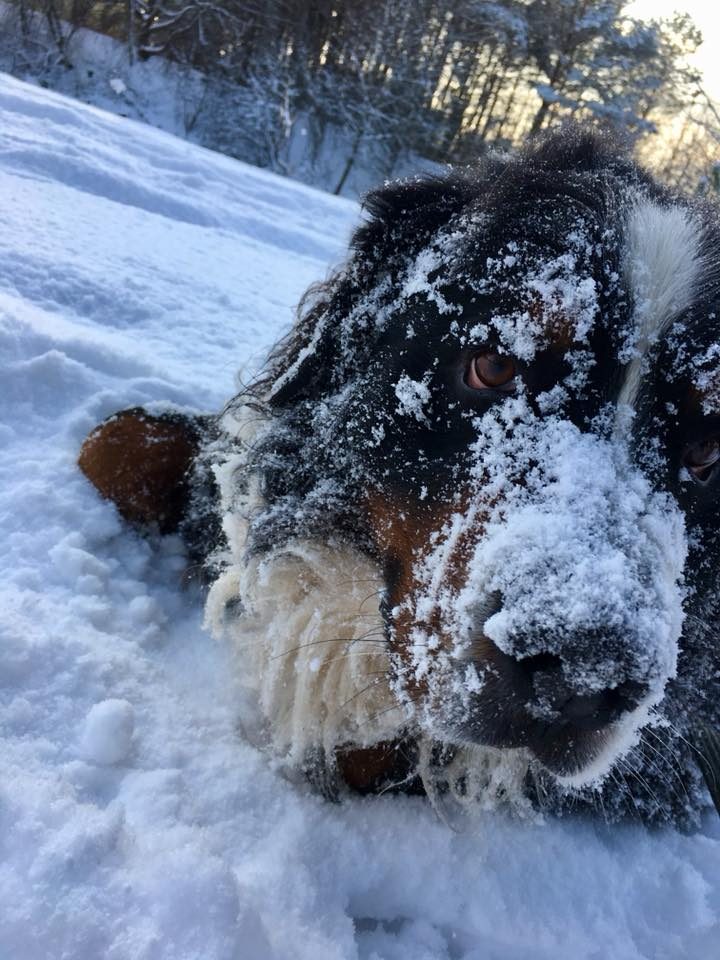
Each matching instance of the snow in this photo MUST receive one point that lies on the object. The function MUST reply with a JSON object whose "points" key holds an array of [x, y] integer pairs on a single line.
{"points": [[107, 736], [239, 121], [136, 820], [413, 395], [589, 538]]}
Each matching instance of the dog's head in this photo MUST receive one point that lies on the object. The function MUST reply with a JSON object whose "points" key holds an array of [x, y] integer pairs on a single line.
{"points": [[509, 398]]}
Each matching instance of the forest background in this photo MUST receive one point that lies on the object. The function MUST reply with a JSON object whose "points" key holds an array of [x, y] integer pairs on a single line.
{"points": [[344, 93]]}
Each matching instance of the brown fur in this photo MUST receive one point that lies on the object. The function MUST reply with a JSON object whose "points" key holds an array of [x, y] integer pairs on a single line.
{"points": [[141, 462], [403, 532]]}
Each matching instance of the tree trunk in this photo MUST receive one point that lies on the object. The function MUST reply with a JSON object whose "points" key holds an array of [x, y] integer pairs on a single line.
{"points": [[131, 36], [349, 163]]}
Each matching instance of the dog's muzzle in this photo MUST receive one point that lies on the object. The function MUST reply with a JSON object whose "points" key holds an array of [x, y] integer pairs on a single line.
{"points": [[565, 631]]}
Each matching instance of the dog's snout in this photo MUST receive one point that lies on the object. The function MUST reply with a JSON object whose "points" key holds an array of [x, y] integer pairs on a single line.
{"points": [[554, 695]]}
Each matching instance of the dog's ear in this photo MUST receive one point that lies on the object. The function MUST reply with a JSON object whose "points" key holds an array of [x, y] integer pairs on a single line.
{"points": [[141, 462], [319, 353]]}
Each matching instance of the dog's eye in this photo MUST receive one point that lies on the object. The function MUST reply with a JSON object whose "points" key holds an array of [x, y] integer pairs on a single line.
{"points": [[490, 371], [701, 457]]}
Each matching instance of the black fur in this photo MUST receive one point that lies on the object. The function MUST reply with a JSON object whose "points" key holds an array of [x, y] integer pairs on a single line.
{"points": [[327, 392]]}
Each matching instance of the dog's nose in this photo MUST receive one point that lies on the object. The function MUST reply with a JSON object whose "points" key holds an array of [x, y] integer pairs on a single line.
{"points": [[555, 698]]}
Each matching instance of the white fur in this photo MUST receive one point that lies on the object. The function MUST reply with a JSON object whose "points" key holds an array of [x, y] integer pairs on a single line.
{"points": [[284, 612], [477, 779], [662, 265], [300, 616]]}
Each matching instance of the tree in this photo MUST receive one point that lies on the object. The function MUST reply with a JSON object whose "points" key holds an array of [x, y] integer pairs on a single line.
{"points": [[377, 80]]}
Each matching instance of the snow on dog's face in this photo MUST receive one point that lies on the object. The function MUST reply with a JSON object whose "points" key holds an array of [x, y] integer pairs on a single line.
{"points": [[509, 400], [534, 597], [545, 610]]}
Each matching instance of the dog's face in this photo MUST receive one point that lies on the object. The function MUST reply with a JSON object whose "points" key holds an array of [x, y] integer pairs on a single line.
{"points": [[511, 399]]}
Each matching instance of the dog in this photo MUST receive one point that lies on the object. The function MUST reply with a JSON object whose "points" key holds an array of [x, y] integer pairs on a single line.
{"points": [[464, 526]]}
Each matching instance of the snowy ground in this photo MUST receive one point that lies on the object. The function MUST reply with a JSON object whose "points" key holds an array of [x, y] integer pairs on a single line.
{"points": [[134, 820], [185, 102]]}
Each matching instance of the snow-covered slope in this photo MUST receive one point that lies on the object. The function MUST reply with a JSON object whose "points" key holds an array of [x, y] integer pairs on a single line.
{"points": [[135, 822]]}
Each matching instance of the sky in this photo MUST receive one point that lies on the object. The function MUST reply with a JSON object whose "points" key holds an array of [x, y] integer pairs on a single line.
{"points": [[706, 14]]}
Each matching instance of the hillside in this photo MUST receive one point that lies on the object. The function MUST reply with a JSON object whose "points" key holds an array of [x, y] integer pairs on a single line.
{"points": [[136, 822]]}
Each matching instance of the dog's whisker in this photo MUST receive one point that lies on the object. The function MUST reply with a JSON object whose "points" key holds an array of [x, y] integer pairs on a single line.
{"points": [[670, 758], [643, 783], [599, 796], [313, 643], [393, 706], [659, 765], [370, 686], [693, 748], [629, 789], [375, 593], [353, 655], [358, 580]]}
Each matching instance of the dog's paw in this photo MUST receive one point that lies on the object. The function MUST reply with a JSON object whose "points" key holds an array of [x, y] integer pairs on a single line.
{"points": [[141, 463]]}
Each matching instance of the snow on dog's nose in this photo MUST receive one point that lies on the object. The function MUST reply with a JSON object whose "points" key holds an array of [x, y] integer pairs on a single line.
{"points": [[587, 559], [573, 579]]}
